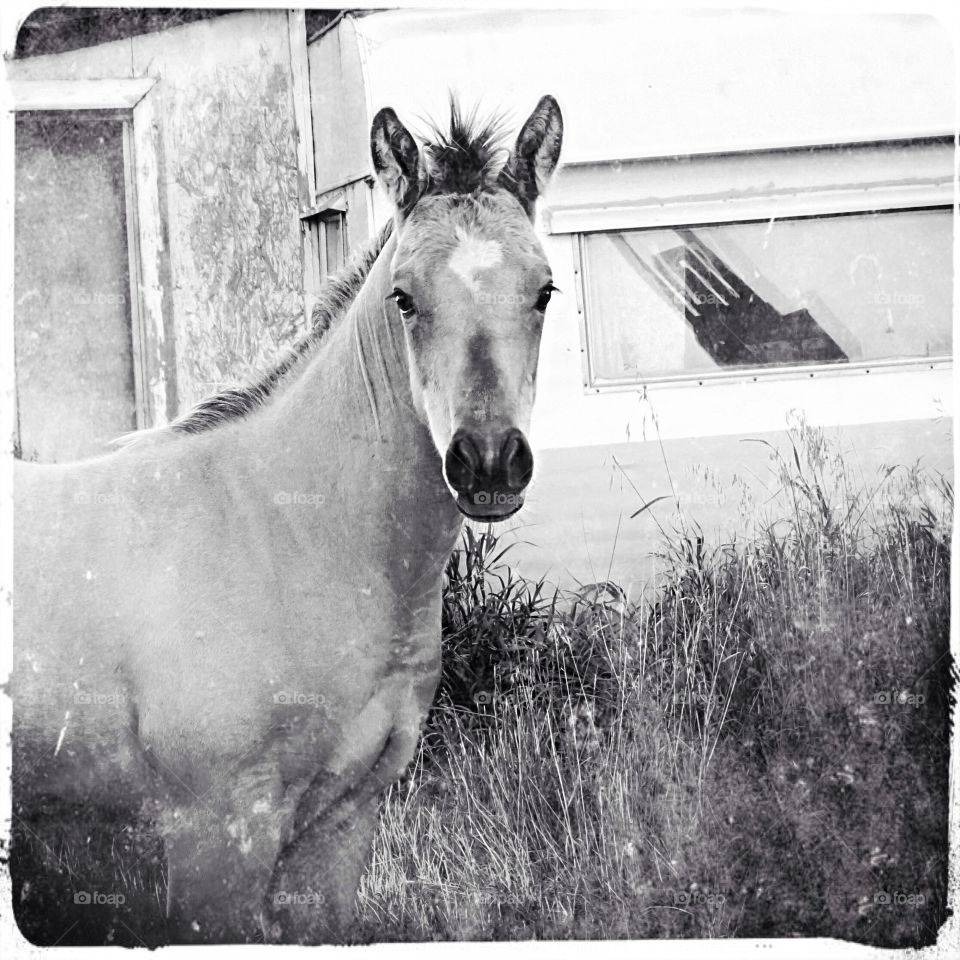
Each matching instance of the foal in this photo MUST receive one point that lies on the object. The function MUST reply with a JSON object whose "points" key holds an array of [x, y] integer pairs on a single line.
{"points": [[236, 622]]}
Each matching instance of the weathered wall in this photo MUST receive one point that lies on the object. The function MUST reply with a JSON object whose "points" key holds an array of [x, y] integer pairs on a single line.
{"points": [[233, 200], [229, 185]]}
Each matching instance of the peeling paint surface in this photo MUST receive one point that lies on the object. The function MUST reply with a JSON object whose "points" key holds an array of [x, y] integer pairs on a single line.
{"points": [[220, 141], [237, 265]]}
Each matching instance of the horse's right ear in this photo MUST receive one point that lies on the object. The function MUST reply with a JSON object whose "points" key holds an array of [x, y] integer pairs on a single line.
{"points": [[396, 159]]}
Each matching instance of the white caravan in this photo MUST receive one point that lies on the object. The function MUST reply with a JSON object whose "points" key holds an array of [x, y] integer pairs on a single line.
{"points": [[742, 232]]}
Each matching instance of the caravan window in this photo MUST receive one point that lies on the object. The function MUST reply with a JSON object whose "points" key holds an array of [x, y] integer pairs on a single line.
{"points": [[694, 302]]}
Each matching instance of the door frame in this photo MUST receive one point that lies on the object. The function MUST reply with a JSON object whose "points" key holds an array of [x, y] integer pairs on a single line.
{"points": [[151, 319]]}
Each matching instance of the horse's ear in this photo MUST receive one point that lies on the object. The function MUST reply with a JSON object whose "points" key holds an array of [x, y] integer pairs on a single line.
{"points": [[534, 158], [396, 159]]}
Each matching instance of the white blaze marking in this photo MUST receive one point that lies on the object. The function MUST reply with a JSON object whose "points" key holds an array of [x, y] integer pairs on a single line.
{"points": [[472, 255]]}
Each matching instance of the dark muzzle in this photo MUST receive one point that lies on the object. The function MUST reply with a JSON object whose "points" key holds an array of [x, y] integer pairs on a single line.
{"points": [[489, 470]]}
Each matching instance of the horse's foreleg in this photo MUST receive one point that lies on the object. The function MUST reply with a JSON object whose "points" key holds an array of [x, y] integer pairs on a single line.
{"points": [[221, 851], [312, 897], [313, 893]]}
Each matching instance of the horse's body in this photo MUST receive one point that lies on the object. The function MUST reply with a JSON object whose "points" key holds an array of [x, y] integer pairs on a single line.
{"points": [[239, 627]]}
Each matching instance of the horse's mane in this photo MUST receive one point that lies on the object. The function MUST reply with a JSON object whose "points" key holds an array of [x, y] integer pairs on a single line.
{"points": [[464, 159], [335, 297]]}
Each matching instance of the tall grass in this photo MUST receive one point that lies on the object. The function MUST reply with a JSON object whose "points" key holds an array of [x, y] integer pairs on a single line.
{"points": [[759, 749]]}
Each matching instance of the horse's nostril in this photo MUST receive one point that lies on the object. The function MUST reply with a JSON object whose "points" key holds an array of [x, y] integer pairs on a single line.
{"points": [[516, 460], [462, 463]]}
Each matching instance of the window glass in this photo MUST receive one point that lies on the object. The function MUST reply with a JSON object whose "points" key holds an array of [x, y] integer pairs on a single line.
{"points": [[332, 226], [827, 290]]}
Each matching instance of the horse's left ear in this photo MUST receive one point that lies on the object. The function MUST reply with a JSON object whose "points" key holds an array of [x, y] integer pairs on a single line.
{"points": [[396, 159], [535, 155]]}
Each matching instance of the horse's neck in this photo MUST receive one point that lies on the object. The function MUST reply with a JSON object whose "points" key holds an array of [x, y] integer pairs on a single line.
{"points": [[344, 438]]}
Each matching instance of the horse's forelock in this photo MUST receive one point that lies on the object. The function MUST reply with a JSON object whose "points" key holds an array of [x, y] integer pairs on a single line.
{"points": [[466, 156]]}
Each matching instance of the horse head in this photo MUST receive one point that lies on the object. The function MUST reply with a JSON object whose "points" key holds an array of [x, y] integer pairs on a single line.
{"points": [[470, 287]]}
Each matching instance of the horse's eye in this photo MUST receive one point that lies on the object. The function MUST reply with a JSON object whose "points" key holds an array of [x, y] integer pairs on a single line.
{"points": [[544, 297], [404, 303]]}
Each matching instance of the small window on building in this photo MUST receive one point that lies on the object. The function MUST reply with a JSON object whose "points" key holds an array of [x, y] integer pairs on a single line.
{"points": [[330, 232], [832, 290]]}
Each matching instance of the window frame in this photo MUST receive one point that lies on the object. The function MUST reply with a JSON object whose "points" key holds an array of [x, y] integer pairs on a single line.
{"points": [[350, 202], [803, 193], [339, 217]]}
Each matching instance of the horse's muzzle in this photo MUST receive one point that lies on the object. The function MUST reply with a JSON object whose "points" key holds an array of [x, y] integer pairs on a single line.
{"points": [[489, 470]]}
